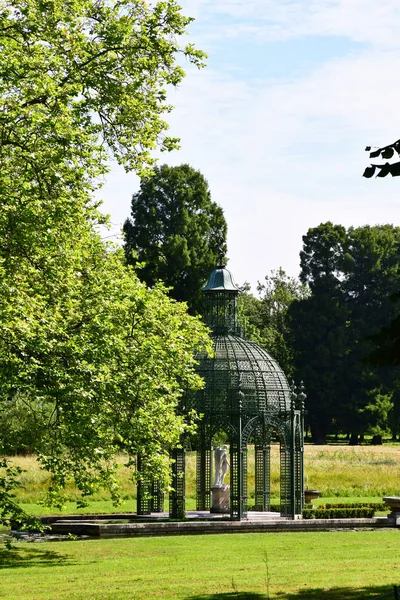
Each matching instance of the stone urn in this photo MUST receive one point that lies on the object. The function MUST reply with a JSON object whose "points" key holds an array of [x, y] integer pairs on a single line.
{"points": [[393, 503], [311, 495]]}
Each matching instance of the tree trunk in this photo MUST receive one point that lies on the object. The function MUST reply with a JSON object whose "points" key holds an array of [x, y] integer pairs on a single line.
{"points": [[377, 440], [318, 435], [353, 439]]}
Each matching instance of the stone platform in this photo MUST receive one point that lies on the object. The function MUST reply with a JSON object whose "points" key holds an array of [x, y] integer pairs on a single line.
{"points": [[199, 523]]}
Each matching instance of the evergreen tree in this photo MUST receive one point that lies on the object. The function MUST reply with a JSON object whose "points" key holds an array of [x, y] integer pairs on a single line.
{"points": [[351, 275], [176, 233]]}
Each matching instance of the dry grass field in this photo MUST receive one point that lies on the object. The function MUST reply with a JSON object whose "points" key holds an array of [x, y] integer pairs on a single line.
{"points": [[338, 471]]}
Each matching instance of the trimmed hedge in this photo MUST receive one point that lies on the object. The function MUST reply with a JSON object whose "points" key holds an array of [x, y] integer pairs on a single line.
{"points": [[338, 513], [360, 510], [378, 506]]}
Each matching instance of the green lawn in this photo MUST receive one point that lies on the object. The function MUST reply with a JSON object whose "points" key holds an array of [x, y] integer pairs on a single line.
{"points": [[329, 565], [129, 506], [345, 565]]}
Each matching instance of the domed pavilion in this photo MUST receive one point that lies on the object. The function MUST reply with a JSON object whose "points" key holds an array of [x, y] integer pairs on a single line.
{"points": [[246, 400]]}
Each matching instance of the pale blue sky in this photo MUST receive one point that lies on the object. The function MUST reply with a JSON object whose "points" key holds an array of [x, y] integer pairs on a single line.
{"points": [[278, 121], [272, 61]]}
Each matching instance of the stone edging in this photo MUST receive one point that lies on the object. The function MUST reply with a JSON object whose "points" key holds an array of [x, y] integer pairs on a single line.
{"points": [[110, 530]]}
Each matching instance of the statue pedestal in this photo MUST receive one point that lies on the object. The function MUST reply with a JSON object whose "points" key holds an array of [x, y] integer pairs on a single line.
{"points": [[220, 499]]}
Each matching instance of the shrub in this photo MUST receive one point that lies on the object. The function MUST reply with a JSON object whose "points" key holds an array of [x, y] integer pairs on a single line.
{"points": [[338, 513], [377, 506]]}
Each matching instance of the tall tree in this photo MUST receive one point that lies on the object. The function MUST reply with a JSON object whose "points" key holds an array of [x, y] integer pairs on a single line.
{"points": [[318, 344], [371, 274], [176, 233], [80, 80], [387, 350], [318, 325], [109, 358], [351, 275]]}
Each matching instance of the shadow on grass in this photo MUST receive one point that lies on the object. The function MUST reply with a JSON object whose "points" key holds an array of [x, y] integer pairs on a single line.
{"points": [[337, 593], [30, 556], [230, 596], [342, 593]]}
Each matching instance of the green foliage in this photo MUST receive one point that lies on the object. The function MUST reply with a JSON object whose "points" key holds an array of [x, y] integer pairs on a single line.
{"points": [[387, 344], [377, 506], [9, 509], [385, 153], [176, 233], [62, 63], [112, 367], [23, 423], [379, 412], [351, 275], [250, 315], [338, 513], [265, 317], [99, 361]]}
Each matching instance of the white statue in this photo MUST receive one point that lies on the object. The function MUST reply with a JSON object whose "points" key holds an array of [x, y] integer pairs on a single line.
{"points": [[221, 465]]}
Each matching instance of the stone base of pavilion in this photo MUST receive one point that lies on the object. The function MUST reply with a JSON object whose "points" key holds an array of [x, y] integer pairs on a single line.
{"points": [[199, 522]]}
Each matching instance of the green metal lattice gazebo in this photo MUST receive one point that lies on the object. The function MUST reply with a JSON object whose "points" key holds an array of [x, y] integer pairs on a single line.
{"points": [[246, 397]]}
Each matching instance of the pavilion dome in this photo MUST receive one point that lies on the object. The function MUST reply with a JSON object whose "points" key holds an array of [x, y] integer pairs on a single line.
{"points": [[240, 377], [241, 372]]}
